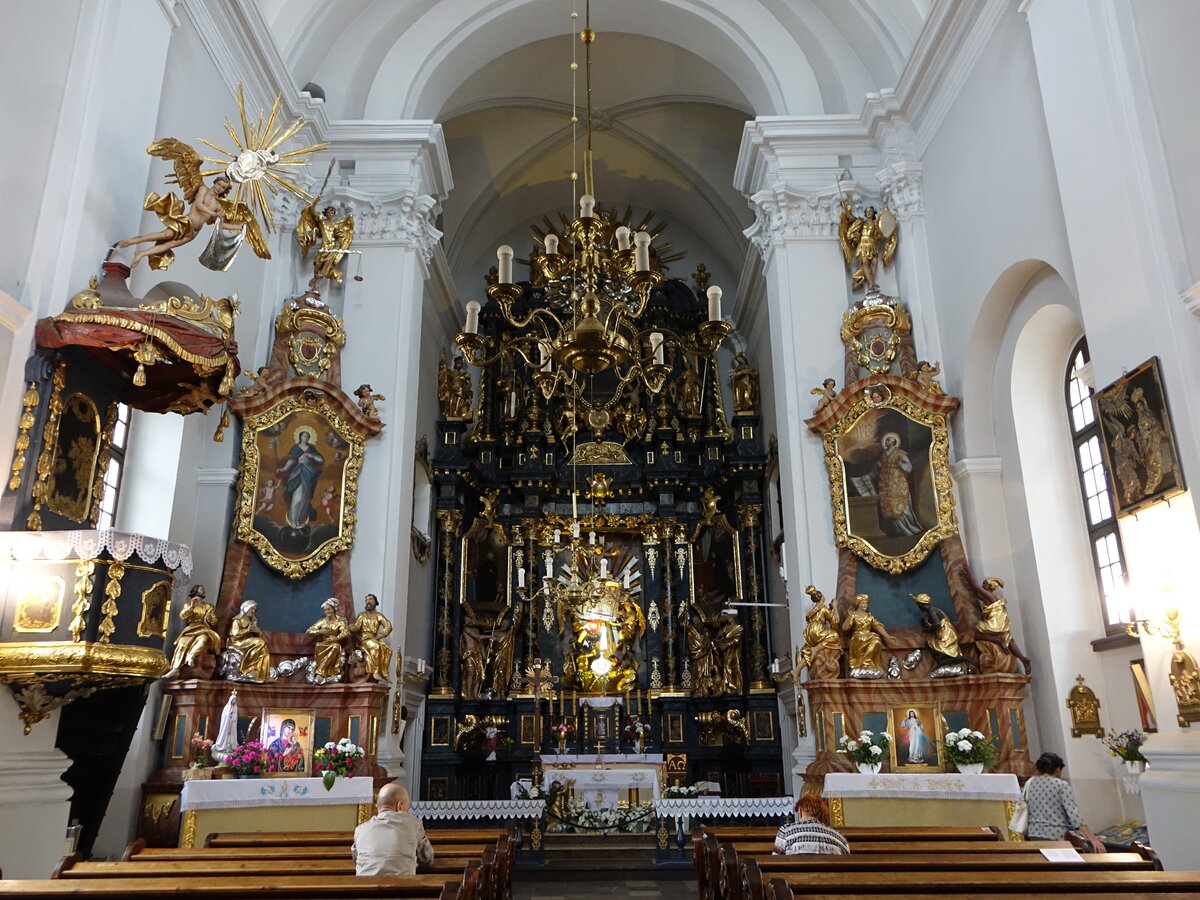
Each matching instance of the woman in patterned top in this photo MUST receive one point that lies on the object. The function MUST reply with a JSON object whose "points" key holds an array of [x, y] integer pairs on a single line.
{"points": [[1052, 807], [809, 833]]}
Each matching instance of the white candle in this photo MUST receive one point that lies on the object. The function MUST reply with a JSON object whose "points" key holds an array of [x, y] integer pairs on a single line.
{"points": [[551, 243], [575, 530], [557, 536], [520, 578], [624, 236], [656, 346], [544, 356], [472, 326], [592, 539], [549, 569], [641, 242], [714, 304], [603, 567], [575, 508], [505, 256], [587, 203]]}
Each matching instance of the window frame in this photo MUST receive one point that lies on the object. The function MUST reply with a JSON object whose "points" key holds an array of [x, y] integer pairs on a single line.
{"points": [[116, 463], [1107, 527]]}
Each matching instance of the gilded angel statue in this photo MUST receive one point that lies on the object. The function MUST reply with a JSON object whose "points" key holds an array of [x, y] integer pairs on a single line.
{"points": [[864, 240], [182, 224], [334, 236], [259, 165]]}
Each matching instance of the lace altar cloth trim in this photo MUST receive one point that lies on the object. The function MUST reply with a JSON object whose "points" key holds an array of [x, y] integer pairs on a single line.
{"points": [[241, 793], [950, 786], [724, 806], [29, 545], [589, 759], [477, 809]]}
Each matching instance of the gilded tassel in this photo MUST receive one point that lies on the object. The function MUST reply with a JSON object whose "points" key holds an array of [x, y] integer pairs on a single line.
{"points": [[219, 435], [139, 377]]}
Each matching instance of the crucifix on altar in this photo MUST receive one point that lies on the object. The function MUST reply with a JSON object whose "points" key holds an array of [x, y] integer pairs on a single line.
{"points": [[538, 677]]}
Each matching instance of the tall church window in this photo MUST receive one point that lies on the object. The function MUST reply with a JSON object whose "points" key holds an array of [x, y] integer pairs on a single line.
{"points": [[112, 475], [1108, 555]]}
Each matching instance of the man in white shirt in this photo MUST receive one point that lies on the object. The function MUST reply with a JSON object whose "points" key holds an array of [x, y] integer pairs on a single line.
{"points": [[393, 842]]}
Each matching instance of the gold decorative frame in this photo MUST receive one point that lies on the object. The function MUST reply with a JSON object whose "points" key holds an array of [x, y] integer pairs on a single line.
{"points": [[930, 715], [939, 467], [156, 610], [80, 458], [39, 609], [253, 430], [305, 732]]}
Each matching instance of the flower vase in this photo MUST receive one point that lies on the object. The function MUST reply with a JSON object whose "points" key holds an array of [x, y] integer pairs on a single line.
{"points": [[1135, 766], [970, 768], [870, 768]]}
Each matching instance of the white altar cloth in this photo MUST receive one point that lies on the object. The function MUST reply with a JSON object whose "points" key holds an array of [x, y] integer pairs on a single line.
{"points": [[244, 793], [724, 807], [948, 786], [589, 759], [477, 809], [601, 788]]}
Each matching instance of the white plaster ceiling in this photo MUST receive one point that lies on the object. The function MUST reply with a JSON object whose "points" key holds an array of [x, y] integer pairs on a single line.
{"points": [[673, 80]]}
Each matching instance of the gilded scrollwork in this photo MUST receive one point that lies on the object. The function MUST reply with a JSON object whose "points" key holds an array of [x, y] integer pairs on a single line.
{"points": [[45, 464], [873, 333], [83, 594], [108, 609], [29, 402]]}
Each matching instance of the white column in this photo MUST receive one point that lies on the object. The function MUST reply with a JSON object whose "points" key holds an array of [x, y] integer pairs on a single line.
{"points": [[393, 212], [1171, 794], [34, 800]]}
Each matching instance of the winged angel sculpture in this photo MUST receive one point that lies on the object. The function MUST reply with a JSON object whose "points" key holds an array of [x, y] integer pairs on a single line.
{"points": [[865, 241], [257, 163], [331, 235]]}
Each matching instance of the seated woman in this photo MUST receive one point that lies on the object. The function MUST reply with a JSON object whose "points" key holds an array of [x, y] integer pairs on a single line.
{"points": [[810, 833], [1052, 807]]}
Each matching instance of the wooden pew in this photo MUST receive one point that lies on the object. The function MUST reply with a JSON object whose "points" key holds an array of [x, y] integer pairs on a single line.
{"points": [[302, 838], [976, 883], [277, 887], [863, 833]]}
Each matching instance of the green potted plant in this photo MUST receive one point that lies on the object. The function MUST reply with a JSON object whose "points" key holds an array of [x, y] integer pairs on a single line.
{"points": [[969, 750]]}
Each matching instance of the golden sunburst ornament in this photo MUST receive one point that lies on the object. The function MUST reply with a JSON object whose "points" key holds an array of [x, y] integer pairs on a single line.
{"points": [[256, 161]]}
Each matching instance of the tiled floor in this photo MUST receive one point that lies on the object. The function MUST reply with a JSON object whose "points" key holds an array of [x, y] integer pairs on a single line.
{"points": [[667, 889]]}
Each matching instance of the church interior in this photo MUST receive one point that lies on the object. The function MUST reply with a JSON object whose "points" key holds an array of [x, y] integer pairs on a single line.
{"points": [[595, 415]]}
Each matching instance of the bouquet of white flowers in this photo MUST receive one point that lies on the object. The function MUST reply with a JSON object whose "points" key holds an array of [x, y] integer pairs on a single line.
{"points": [[967, 747], [869, 748]]}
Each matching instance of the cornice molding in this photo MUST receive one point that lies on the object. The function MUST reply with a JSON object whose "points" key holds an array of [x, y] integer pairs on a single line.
{"points": [[967, 468], [221, 477]]}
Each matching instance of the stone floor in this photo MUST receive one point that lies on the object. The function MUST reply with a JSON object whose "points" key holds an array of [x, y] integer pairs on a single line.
{"points": [[664, 889]]}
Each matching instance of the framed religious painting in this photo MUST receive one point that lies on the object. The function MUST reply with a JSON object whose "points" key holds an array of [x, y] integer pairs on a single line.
{"points": [[889, 475], [916, 730], [1138, 439], [298, 483], [287, 735]]}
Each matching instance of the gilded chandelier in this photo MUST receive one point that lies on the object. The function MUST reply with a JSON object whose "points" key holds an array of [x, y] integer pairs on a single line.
{"points": [[590, 288]]}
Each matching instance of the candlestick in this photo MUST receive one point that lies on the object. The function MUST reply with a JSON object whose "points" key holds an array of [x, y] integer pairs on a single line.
{"points": [[575, 507], [504, 255], [557, 536], [641, 242], [623, 237], [603, 567], [550, 242], [592, 537], [656, 345], [520, 578], [472, 325], [714, 304], [575, 530]]}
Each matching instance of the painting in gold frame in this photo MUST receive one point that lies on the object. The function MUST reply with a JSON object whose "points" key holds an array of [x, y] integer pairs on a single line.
{"points": [[76, 457], [1139, 440], [287, 735], [298, 483], [916, 730], [889, 475]]}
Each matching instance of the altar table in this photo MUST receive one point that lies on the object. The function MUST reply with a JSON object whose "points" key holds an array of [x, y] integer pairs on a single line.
{"points": [[936, 799], [272, 804], [626, 776]]}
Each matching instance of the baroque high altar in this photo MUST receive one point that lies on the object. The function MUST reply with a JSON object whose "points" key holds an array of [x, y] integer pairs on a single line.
{"points": [[599, 487]]}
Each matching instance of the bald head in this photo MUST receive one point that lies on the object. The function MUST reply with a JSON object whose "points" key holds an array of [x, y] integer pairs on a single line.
{"points": [[392, 796]]}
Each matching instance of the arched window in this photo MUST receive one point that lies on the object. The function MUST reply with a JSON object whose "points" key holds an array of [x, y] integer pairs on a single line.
{"points": [[1107, 552]]}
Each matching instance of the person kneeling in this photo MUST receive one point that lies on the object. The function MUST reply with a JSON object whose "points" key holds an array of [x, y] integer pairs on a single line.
{"points": [[810, 833], [392, 842]]}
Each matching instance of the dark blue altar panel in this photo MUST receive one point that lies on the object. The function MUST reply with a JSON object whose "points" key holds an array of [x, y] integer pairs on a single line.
{"points": [[285, 604], [890, 601]]}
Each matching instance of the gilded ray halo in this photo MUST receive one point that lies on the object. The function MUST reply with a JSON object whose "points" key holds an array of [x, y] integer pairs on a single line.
{"points": [[256, 161]]}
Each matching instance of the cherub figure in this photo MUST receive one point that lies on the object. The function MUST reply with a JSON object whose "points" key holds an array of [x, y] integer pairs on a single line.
{"points": [[266, 497], [335, 236], [208, 205], [367, 400], [826, 392], [330, 504], [924, 376]]}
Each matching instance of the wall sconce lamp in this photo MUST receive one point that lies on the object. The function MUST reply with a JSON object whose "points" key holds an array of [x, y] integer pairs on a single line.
{"points": [[1185, 676]]}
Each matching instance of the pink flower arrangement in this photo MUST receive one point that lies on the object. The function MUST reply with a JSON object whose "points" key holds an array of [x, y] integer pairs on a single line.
{"points": [[200, 748], [337, 759], [249, 758], [563, 728], [635, 728]]}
